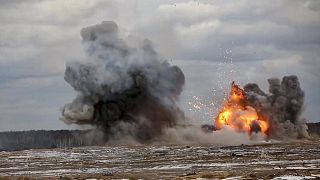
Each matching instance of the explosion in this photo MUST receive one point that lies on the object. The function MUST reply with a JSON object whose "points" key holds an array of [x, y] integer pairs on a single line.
{"points": [[238, 115], [276, 115], [124, 88]]}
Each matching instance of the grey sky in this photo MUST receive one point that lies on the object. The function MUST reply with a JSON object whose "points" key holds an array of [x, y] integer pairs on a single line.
{"points": [[262, 38]]}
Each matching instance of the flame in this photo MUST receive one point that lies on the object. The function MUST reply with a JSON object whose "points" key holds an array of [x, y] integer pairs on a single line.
{"points": [[237, 115]]}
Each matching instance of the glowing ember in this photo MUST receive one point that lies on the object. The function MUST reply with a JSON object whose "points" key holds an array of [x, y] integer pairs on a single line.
{"points": [[237, 115]]}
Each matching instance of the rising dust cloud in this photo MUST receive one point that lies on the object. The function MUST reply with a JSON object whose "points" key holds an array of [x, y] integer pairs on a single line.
{"points": [[129, 93], [282, 108], [124, 88]]}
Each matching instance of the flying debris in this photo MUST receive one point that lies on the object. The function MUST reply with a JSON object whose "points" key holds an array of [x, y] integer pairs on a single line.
{"points": [[276, 115], [124, 88]]}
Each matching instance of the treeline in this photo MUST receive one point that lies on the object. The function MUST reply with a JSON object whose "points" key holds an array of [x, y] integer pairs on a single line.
{"points": [[314, 129], [41, 139]]}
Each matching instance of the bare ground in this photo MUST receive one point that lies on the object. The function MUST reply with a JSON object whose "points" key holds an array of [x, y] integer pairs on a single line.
{"points": [[267, 161]]}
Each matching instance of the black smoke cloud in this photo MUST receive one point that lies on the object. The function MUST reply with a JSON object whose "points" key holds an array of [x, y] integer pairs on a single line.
{"points": [[123, 87], [282, 107]]}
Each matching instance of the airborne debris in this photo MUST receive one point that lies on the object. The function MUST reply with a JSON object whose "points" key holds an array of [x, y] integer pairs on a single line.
{"points": [[276, 115]]}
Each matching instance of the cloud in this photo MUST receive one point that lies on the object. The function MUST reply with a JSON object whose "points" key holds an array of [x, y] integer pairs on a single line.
{"points": [[200, 29], [313, 5], [261, 38], [58, 12]]}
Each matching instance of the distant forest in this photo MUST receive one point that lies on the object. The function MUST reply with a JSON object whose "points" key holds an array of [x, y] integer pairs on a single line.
{"points": [[314, 129], [41, 139]]}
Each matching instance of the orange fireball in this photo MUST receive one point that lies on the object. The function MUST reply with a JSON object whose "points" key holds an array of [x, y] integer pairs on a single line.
{"points": [[238, 115]]}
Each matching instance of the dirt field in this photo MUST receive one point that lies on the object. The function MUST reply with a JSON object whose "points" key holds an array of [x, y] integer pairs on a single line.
{"points": [[267, 161]]}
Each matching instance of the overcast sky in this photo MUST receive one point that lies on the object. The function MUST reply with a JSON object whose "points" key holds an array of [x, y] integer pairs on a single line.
{"points": [[214, 42]]}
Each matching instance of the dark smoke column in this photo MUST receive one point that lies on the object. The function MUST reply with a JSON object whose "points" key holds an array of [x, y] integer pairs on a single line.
{"points": [[123, 86], [282, 107]]}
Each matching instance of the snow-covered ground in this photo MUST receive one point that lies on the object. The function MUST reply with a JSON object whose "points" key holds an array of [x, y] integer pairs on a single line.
{"points": [[272, 161]]}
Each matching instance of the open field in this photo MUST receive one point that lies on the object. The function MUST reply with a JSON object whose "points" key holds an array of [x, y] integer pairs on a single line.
{"points": [[256, 161]]}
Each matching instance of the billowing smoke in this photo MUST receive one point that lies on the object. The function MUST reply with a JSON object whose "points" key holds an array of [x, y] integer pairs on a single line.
{"points": [[282, 107], [123, 87]]}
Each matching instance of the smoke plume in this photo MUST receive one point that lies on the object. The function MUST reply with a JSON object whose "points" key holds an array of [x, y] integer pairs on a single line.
{"points": [[123, 87], [282, 107]]}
